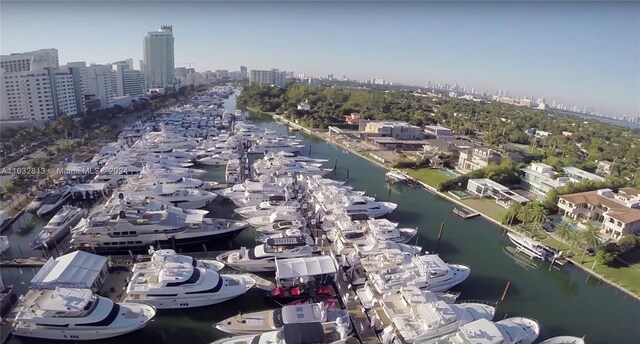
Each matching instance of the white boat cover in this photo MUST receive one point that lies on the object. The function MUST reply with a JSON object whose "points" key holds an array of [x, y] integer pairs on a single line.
{"points": [[307, 266]]}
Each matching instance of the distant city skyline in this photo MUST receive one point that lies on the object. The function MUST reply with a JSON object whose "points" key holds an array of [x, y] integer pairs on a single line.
{"points": [[584, 54]]}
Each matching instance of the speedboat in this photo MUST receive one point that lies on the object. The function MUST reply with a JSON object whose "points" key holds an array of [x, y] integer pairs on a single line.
{"points": [[297, 333], [507, 331], [531, 247], [77, 314], [54, 200], [173, 284], [58, 227], [271, 320], [263, 257]]}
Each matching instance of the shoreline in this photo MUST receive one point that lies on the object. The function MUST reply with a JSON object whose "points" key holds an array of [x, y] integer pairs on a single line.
{"points": [[434, 191]]}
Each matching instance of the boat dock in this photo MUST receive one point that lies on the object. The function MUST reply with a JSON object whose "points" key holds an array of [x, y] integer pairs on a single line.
{"points": [[359, 319], [23, 262], [464, 213]]}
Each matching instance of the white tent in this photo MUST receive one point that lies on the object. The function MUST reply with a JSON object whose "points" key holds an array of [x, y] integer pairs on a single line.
{"points": [[305, 267], [77, 269]]}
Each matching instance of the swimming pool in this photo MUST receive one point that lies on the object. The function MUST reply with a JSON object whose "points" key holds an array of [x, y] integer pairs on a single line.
{"points": [[447, 172]]}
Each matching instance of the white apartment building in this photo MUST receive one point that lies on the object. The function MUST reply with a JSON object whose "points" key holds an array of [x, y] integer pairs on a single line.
{"points": [[30, 61], [128, 80], [159, 57], [38, 95], [101, 84], [268, 77], [540, 178], [617, 213], [605, 167]]}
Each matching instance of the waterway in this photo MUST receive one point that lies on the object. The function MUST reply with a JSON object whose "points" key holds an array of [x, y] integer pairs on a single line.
{"points": [[564, 300]]}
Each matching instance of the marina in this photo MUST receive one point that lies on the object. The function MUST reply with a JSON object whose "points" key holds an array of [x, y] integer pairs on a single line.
{"points": [[562, 301]]}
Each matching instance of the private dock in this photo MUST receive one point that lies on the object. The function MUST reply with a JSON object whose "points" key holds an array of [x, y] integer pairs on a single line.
{"points": [[464, 213]]}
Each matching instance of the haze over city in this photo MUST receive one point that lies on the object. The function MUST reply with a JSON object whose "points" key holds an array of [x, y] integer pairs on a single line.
{"points": [[586, 55]]}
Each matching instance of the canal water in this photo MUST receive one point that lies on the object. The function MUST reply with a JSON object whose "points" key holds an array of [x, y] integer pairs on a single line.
{"points": [[564, 300]]}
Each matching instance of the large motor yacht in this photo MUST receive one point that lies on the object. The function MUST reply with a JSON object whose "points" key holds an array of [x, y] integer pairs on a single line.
{"points": [[271, 320], [134, 223], [185, 198], [507, 331], [77, 314], [297, 333], [58, 227], [171, 284], [263, 257]]}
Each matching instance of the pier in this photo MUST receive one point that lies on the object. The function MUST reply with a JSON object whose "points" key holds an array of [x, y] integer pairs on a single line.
{"points": [[464, 213]]}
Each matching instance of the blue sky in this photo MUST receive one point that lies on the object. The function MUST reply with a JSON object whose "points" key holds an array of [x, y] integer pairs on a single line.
{"points": [[580, 53]]}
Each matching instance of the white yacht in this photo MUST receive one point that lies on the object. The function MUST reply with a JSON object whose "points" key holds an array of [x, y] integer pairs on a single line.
{"points": [[564, 340], [218, 159], [233, 171], [175, 181], [531, 247], [54, 200], [425, 272], [58, 227], [176, 196], [276, 216], [384, 229], [359, 205], [280, 226], [134, 223], [298, 333], [263, 257], [507, 331], [288, 233], [267, 208], [276, 145], [419, 315], [76, 314], [273, 319], [168, 255], [173, 284]]}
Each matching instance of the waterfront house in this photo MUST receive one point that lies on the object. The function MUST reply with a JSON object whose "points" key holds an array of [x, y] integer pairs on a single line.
{"points": [[353, 118], [477, 158], [540, 178], [484, 187], [617, 213], [304, 106], [605, 168]]}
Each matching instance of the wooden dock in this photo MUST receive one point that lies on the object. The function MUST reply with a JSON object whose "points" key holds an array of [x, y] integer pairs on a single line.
{"points": [[359, 319]]}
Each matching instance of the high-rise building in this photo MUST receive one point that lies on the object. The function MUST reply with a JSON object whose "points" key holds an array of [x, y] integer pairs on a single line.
{"points": [[40, 94], [128, 80], [159, 58], [29, 61], [268, 77], [102, 86]]}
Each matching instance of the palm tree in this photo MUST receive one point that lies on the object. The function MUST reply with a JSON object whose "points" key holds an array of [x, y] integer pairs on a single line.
{"points": [[590, 238], [563, 231], [512, 212]]}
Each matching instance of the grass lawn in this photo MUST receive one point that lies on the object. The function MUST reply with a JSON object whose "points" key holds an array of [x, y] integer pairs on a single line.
{"points": [[486, 206], [428, 176], [627, 276]]}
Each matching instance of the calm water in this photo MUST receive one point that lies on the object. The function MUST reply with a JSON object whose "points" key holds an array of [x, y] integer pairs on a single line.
{"points": [[564, 301]]}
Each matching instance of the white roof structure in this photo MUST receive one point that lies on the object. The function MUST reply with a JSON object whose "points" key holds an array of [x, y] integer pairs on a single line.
{"points": [[89, 187], [77, 269], [307, 266]]}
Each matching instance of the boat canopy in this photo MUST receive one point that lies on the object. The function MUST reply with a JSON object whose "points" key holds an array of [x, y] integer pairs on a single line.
{"points": [[307, 266], [303, 333]]}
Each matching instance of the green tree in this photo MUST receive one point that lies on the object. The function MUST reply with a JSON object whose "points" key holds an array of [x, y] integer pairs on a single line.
{"points": [[608, 254], [590, 237]]}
